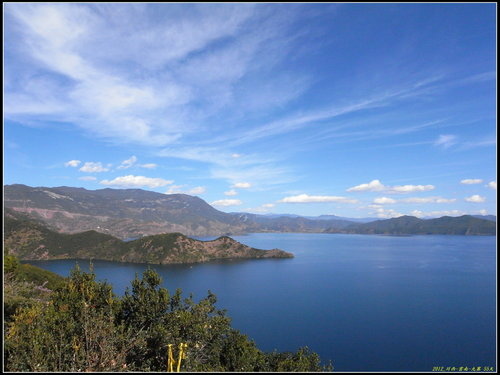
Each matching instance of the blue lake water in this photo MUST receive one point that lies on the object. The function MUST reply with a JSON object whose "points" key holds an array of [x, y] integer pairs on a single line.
{"points": [[367, 303]]}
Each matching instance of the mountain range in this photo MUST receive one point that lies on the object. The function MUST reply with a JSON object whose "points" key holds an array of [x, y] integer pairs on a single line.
{"points": [[134, 213], [408, 225]]}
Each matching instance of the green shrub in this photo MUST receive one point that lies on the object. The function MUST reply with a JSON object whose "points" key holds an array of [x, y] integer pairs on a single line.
{"points": [[83, 326]]}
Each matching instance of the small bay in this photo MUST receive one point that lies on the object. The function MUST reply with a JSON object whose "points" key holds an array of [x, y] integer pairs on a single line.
{"points": [[366, 302]]}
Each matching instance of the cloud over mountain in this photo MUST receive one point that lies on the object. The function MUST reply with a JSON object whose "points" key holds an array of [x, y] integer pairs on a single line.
{"points": [[136, 181]]}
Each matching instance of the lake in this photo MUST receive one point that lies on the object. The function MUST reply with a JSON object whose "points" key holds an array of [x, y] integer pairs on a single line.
{"points": [[365, 302]]}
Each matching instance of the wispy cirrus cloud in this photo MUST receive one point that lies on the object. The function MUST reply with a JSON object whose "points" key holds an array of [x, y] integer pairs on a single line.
{"points": [[128, 163], [257, 169], [132, 162], [94, 81], [478, 143], [149, 165], [204, 60], [87, 178], [264, 208], [446, 140], [242, 185]]}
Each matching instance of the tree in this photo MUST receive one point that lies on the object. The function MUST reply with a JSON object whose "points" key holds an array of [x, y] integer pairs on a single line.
{"points": [[73, 331], [85, 327]]}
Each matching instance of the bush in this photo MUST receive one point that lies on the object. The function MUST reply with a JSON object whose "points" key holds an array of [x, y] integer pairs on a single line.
{"points": [[85, 327]]}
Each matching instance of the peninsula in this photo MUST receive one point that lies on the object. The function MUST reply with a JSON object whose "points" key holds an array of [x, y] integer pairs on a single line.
{"points": [[31, 240]]}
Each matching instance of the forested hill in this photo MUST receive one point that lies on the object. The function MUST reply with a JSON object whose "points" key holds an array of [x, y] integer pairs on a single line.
{"points": [[32, 240], [408, 225]]}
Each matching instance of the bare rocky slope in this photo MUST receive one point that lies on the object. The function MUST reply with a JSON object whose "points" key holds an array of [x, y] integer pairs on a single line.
{"points": [[123, 213], [131, 213]]}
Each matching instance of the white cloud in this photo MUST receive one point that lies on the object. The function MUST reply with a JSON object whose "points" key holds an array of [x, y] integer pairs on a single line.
{"points": [[137, 181], [428, 200], [417, 213], [304, 198], [72, 163], [128, 163], [241, 185], [87, 178], [376, 185], [235, 156], [197, 190], [475, 199], [132, 161], [409, 188], [171, 75], [492, 185], [384, 213], [384, 200], [93, 167], [446, 141], [149, 165], [227, 202], [471, 181], [231, 192], [421, 214], [177, 189]]}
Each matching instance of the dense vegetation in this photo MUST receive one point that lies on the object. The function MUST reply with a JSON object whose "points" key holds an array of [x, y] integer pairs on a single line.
{"points": [[25, 285], [82, 326]]}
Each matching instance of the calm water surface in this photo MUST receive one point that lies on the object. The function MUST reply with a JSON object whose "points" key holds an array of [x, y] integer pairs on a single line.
{"points": [[368, 303]]}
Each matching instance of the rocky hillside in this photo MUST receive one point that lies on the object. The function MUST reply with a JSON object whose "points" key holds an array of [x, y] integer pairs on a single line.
{"points": [[30, 240], [123, 213], [132, 213]]}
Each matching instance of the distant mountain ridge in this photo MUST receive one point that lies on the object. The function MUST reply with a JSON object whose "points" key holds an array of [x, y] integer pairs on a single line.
{"points": [[133, 213], [31, 240], [408, 225], [486, 217]]}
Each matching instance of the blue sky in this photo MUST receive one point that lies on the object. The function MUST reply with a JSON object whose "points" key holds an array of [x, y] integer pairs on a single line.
{"points": [[358, 110]]}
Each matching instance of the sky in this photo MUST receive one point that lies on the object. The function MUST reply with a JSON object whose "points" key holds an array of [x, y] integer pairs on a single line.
{"points": [[354, 110]]}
